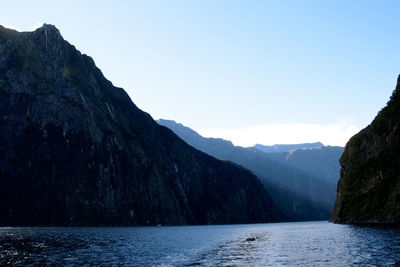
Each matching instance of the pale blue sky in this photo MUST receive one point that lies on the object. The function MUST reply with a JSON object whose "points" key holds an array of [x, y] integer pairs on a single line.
{"points": [[304, 70]]}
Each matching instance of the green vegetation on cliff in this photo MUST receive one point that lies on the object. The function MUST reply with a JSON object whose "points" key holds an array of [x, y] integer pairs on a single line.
{"points": [[369, 185]]}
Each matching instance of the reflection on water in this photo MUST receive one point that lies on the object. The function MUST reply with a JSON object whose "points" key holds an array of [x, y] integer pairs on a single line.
{"points": [[279, 244]]}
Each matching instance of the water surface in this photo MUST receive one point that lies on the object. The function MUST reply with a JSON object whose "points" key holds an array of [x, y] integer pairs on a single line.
{"points": [[276, 244]]}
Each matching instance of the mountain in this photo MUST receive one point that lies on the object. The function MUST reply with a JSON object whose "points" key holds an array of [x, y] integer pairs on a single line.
{"points": [[301, 182], [322, 162], [75, 150], [287, 148], [369, 185]]}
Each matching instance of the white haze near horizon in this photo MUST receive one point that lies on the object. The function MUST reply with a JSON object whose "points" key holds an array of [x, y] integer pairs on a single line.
{"points": [[334, 134]]}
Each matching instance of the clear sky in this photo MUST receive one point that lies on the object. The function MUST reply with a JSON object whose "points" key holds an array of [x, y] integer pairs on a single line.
{"points": [[248, 71]]}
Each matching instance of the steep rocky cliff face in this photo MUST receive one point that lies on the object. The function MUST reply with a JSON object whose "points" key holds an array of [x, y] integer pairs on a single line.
{"points": [[75, 150], [369, 185]]}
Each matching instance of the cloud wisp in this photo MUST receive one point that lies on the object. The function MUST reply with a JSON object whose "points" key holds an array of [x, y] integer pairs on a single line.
{"points": [[34, 27], [334, 134], [37, 25], [11, 27]]}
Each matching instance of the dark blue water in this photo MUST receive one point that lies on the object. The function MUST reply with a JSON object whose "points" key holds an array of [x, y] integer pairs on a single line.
{"points": [[278, 244]]}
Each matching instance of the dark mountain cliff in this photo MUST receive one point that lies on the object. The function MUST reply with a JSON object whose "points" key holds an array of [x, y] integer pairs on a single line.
{"points": [[301, 182], [369, 185], [75, 150]]}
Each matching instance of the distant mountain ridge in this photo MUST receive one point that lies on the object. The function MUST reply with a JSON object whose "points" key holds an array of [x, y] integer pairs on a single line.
{"points": [[75, 150], [288, 147], [302, 183]]}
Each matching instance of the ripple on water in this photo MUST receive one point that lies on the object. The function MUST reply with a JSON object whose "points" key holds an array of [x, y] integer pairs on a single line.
{"points": [[284, 244]]}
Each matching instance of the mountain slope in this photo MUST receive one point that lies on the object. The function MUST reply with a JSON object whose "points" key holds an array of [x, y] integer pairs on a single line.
{"points": [[75, 150], [302, 183], [369, 185]]}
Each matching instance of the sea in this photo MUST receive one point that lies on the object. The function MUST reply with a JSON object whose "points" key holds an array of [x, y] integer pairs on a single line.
{"points": [[273, 244]]}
